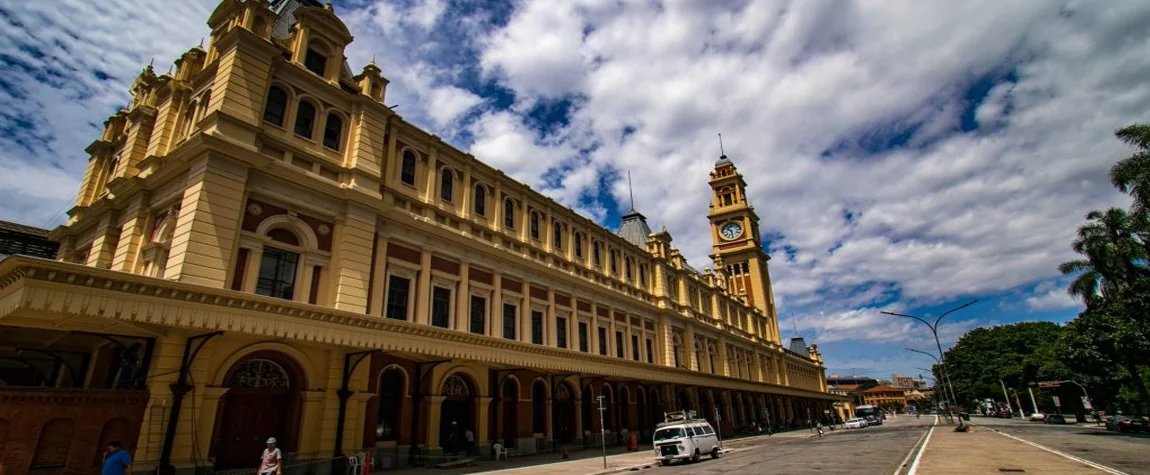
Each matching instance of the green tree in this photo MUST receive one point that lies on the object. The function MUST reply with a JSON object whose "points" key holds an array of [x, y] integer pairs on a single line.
{"points": [[1131, 175], [1016, 354], [1113, 255], [1110, 341]]}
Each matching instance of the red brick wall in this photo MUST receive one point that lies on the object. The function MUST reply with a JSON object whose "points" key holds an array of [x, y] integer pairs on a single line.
{"points": [[68, 427]]}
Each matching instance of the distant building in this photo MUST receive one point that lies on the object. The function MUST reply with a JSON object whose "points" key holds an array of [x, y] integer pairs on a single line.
{"points": [[26, 240], [837, 380], [902, 381], [885, 397]]}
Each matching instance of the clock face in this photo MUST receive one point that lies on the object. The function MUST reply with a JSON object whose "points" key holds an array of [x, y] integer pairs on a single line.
{"points": [[731, 231]]}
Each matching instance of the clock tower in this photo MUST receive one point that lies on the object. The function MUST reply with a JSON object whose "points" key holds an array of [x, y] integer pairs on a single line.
{"points": [[738, 250]]}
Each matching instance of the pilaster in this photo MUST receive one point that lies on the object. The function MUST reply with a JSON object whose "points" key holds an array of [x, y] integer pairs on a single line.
{"points": [[379, 276], [352, 259], [104, 245], [423, 291], [131, 235], [208, 223], [463, 297]]}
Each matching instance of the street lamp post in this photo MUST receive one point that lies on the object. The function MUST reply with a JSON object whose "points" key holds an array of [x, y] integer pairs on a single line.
{"points": [[950, 400], [944, 399], [934, 330]]}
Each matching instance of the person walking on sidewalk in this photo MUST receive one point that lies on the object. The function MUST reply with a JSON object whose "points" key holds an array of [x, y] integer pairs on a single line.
{"points": [[271, 462], [117, 461], [819, 427]]}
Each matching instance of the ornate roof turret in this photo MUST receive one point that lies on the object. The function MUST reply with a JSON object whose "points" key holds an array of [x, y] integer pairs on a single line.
{"points": [[634, 228]]}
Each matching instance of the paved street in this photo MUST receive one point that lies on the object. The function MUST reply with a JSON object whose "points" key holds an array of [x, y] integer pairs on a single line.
{"points": [[1129, 453], [874, 450]]}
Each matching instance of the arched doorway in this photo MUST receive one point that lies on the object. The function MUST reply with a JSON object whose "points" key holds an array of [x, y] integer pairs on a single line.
{"points": [[563, 415], [624, 401], [459, 407], [682, 400], [611, 419], [392, 387], [642, 413], [262, 401], [510, 400]]}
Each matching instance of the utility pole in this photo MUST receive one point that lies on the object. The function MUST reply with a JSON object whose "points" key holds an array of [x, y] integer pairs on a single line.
{"points": [[1006, 395], [602, 429]]}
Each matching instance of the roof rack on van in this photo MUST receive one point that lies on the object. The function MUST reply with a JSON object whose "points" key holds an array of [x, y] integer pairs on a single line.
{"points": [[680, 417]]}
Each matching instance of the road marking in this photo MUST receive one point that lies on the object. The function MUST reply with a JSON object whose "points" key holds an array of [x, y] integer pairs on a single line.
{"points": [[1064, 454], [925, 435]]}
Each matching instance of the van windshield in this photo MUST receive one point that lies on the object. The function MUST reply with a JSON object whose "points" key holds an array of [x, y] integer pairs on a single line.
{"points": [[668, 434]]}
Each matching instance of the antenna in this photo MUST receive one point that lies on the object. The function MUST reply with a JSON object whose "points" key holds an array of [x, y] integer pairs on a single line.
{"points": [[631, 190], [794, 325], [721, 152]]}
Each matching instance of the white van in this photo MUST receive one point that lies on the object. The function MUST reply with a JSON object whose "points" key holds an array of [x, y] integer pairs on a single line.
{"points": [[684, 437]]}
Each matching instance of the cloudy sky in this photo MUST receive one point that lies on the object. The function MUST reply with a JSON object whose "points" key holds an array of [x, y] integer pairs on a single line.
{"points": [[904, 156]]}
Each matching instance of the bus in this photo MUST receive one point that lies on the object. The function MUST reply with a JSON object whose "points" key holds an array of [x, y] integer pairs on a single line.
{"points": [[872, 414]]}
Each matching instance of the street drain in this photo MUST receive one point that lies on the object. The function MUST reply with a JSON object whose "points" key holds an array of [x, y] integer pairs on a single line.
{"points": [[1011, 470]]}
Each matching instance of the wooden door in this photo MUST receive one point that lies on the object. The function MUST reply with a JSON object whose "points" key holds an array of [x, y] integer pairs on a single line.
{"points": [[250, 417]]}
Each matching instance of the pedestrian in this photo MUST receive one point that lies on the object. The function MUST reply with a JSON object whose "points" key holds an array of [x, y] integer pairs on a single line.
{"points": [[452, 438], [271, 462], [819, 427], [469, 439], [117, 461]]}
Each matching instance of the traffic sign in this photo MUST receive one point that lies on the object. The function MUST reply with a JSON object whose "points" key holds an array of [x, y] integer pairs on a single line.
{"points": [[1086, 404], [1057, 403], [1049, 384]]}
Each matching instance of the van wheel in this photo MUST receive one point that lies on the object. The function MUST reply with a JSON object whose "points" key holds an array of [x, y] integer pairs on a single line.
{"points": [[714, 453], [664, 462], [696, 457]]}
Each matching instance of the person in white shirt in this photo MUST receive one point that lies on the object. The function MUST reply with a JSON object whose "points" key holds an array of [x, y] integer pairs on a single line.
{"points": [[271, 462]]}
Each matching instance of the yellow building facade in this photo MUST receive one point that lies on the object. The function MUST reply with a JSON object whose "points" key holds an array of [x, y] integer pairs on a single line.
{"points": [[260, 247]]}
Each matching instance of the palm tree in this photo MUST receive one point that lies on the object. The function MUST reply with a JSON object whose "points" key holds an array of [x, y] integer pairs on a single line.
{"points": [[1114, 256], [1132, 174]]}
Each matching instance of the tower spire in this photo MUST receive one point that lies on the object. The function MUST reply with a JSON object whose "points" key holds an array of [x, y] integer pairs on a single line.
{"points": [[722, 153]]}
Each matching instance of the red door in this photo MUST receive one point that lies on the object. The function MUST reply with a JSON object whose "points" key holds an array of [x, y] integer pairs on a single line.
{"points": [[250, 417]]}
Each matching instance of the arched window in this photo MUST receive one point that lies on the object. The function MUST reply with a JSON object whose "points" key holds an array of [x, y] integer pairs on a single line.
{"points": [[578, 243], [642, 276], [189, 119], [276, 106], [315, 61], [446, 184], [304, 119], [509, 213], [391, 387], [596, 254], [627, 267], [557, 235], [534, 225], [614, 262], [480, 200], [332, 129], [278, 267], [284, 236], [407, 170]]}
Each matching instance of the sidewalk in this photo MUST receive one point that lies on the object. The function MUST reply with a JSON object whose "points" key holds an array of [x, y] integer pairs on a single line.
{"points": [[982, 450], [583, 462]]}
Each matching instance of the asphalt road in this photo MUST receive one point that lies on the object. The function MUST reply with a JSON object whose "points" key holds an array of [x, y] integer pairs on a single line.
{"points": [[1129, 453], [873, 450]]}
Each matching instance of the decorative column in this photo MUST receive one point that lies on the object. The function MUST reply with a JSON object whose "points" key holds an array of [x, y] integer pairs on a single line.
{"points": [[551, 326], [379, 271], [423, 292], [434, 406], [495, 323]]}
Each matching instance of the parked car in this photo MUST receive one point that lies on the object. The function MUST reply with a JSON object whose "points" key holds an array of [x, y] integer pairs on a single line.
{"points": [[856, 423], [1127, 424], [684, 438], [1055, 419], [1038, 417]]}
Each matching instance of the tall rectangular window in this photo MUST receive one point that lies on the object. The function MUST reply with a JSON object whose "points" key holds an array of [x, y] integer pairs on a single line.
{"points": [[478, 318], [397, 290], [584, 344], [650, 351], [536, 327], [603, 341], [510, 312], [619, 348], [440, 306], [561, 332], [277, 273], [635, 347]]}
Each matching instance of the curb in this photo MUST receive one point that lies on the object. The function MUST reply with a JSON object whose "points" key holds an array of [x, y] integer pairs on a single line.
{"points": [[630, 468]]}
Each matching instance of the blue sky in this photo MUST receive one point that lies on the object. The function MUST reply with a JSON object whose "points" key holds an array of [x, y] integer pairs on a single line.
{"points": [[903, 156]]}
